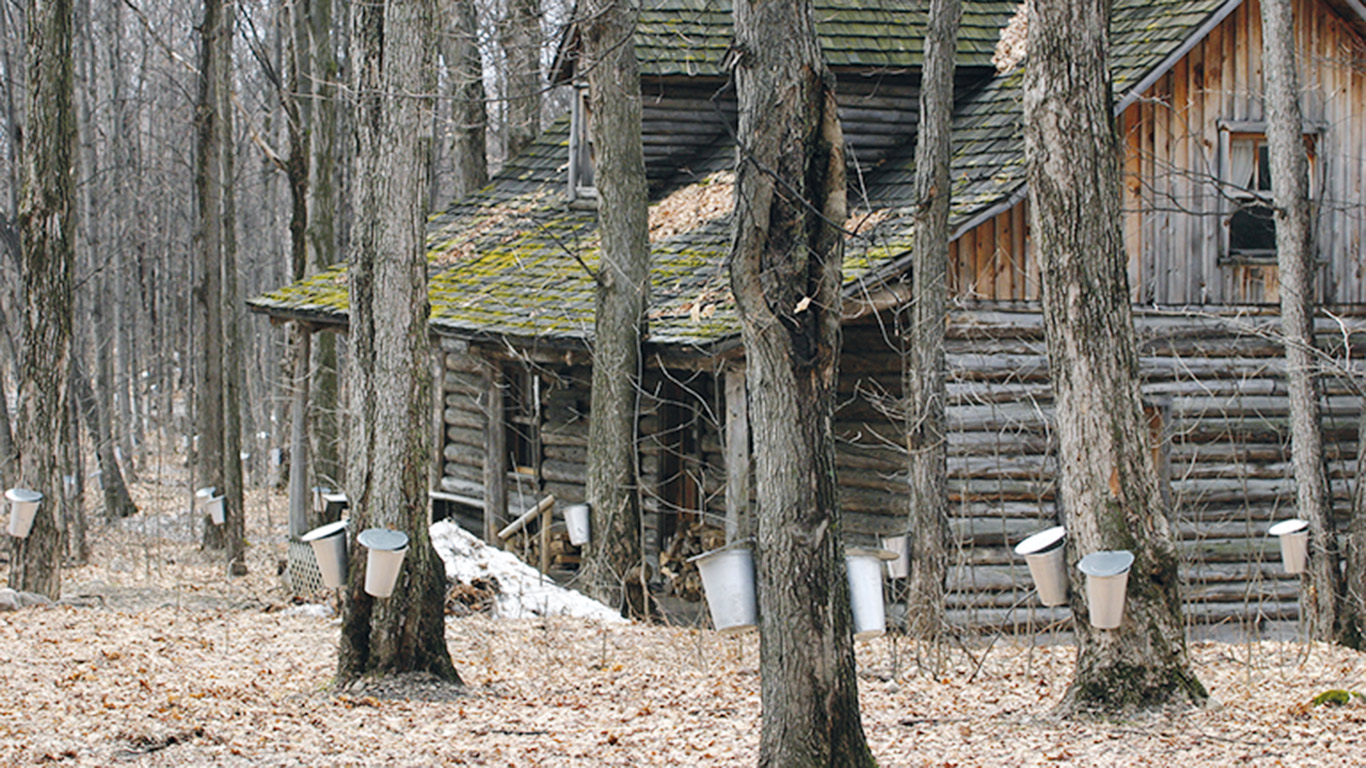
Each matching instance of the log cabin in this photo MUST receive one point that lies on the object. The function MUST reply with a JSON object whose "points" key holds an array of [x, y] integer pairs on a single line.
{"points": [[512, 300]]}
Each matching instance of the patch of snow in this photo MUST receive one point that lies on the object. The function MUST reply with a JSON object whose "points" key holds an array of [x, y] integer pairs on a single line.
{"points": [[522, 591], [315, 610]]}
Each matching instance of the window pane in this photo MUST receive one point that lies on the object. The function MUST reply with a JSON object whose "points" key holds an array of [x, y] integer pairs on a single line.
{"points": [[1252, 229], [1263, 169]]}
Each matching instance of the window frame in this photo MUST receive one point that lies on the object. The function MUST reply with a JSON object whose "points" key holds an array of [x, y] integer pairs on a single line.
{"points": [[580, 184], [1235, 198]]}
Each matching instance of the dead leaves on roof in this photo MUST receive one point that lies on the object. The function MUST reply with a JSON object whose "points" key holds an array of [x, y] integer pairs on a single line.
{"points": [[692, 206], [1014, 41]]}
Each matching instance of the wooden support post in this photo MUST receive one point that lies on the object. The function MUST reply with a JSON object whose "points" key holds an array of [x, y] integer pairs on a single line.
{"points": [[738, 523], [547, 514], [495, 452], [298, 433]]}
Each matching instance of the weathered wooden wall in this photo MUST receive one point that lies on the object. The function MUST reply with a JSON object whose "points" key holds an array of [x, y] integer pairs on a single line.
{"points": [[681, 461], [684, 119], [1176, 140], [1219, 384]]}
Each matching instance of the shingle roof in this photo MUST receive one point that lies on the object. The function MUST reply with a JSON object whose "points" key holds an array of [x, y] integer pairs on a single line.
{"points": [[512, 260], [690, 37]]}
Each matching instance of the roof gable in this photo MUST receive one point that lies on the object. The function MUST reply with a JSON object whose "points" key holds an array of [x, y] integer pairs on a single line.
{"points": [[513, 259]]}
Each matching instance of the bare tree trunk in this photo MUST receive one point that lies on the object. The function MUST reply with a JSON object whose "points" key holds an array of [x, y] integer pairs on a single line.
{"points": [[924, 387], [73, 465], [520, 36], [465, 76], [786, 277], [208, 292], [96, 405], [325, 421], [1108, 482], [117, 502], [234, 511], [1294, 259], [9, 458], [48, 257], [614, 571], [389, 444]]}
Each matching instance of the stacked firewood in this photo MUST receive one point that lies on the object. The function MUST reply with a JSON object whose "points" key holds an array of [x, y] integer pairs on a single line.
{"points": [[681, 578], [527, 546]]}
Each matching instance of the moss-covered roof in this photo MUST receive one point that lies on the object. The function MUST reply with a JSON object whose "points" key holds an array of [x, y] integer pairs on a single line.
{"points": [[690, 37], [513, 259]]}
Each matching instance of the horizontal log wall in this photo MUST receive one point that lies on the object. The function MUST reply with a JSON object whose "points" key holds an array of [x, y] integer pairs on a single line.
{"points": [[1222, 386], [684, 118], [1176, 138], [565, 400]]}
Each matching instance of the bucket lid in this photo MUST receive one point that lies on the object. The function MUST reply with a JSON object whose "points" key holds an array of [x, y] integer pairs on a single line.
{"points": [[325, 531], [744, 544], [1293, 525], [383, 538], [881, 554], [1043, 540], [206, 492], [23, 495], [576, 507], [1106, 563], [334, 498]]}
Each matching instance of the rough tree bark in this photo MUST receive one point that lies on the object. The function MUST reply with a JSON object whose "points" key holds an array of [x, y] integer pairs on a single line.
{"points": [[924, 383], [465, 76], [234, 525], [47, 257], [9, 463], [324, 420], [1108, 482], [786, 277], [208, 289], [614, 570], [520, 37], [389, 443], [1319, 601]]}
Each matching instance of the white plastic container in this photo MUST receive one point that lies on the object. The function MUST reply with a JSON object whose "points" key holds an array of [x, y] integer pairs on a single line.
{"points": [[1045, 554], [900, 566], [864, 570], [329, 548], [728, 581], [1294, 536], [23, 506], [202, 496], [1107, 579], [214, 507], [385, 559], [576, 522]]}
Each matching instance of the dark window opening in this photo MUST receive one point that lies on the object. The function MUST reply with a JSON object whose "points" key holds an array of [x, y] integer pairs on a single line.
{"points": [[1252, 231], [521, 416]]}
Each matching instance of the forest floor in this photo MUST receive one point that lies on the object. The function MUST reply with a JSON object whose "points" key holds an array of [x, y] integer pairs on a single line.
{"points": [[153, 657]]}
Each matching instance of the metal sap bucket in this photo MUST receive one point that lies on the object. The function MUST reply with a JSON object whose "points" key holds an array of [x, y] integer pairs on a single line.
{"points": [[1046, 556], [1294, 536], [728, 581], [1107, 579]]}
